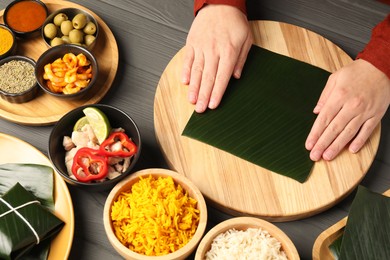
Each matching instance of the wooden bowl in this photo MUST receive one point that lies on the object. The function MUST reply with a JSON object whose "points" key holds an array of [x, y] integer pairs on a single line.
{"points": [[243, 223], [126, 184]]}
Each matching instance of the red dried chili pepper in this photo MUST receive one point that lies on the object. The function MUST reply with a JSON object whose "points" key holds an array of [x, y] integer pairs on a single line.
{"points": [[95, 167], [128, 147]]}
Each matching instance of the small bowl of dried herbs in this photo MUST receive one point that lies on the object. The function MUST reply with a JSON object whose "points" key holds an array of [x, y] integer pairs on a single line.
{"points": [[17, 79]]}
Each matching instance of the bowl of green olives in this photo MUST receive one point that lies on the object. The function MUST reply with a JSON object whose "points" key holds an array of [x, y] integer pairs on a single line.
{"points": [[70, 26]]}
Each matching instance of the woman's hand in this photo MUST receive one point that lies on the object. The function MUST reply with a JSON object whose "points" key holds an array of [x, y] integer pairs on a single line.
{"points": [[351, 105], [217, 46]]}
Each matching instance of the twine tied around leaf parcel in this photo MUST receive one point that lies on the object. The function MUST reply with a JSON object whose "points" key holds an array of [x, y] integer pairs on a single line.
{"points": [[15, 210]]}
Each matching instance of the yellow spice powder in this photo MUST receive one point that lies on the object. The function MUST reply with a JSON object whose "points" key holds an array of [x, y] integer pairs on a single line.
{"points": [[6, 40], [156, 217]]}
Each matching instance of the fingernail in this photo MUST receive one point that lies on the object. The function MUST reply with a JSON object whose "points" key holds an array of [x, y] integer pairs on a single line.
{"points": [[315, 155], [185, 80], [309, 145], [212, 104], [237, 74], [192, 98], [354, 148], [200, 107], [328, 155]]}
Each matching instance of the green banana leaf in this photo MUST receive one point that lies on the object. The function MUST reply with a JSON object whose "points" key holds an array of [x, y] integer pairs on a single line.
{"points": [[335, 247], [266, 115], [27, 225], [367, 232], [36, 178]]}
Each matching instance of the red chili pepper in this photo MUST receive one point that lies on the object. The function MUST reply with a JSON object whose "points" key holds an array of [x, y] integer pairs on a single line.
{"points": [[95, 167], [129, 148]]}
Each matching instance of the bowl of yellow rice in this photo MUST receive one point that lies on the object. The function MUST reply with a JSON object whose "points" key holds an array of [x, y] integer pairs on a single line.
{"points": [[155, 214]]}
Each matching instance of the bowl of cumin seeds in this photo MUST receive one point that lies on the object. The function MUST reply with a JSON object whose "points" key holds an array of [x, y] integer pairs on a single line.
{"points": [[17, 79]]}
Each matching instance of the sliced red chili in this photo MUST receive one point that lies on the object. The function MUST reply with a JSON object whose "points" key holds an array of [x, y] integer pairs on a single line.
{"points": [[94, 166], [127, 146]]}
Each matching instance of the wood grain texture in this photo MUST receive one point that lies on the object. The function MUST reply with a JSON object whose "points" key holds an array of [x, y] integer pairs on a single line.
{"points": [[46, 109], [236, 186], [14, 150], [327, 237]]}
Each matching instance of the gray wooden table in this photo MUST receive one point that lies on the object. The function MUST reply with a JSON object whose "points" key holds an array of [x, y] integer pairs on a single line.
{"points": [[149, 33]]}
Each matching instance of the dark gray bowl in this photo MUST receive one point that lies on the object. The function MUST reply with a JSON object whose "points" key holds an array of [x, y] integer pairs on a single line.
{"points": [[71, 12], [59, 51], [21, 97], [11, 50], [24, 34], [64, 126]]}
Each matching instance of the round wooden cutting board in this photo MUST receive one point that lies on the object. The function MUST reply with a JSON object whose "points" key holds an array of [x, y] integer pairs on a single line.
{"points": [[236, 186]]}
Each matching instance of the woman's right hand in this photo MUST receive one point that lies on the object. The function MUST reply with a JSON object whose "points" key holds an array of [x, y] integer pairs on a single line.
{"points": [[217, 47]]}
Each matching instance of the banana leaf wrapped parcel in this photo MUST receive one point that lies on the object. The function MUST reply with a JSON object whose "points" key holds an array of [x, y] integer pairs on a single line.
{"points": [[24, 223]]}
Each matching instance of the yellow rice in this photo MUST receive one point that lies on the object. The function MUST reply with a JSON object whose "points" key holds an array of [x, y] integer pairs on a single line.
{"points": [[156, 217]]}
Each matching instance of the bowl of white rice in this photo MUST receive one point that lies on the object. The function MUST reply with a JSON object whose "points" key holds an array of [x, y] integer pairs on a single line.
{"points": [[246, 238]]}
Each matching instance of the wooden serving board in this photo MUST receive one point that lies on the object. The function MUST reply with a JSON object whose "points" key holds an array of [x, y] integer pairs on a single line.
{"points": [[46, 109], [236, 186], [326, 238]]}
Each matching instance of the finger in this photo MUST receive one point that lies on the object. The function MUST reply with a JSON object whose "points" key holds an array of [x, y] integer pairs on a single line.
{"points": [[329, 86], [242, 57], [345, 136], [332, 131], [207, 83], [196, 75], [187, 65], [363, 135], [322, 121], [224, 73]]}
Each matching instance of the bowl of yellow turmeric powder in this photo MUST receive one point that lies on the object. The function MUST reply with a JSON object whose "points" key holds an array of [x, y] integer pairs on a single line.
{"points": [[7, 42], [155, 214]]}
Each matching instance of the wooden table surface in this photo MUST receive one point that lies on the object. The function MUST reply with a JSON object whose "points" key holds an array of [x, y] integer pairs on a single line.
{"points": [[149, 33]]}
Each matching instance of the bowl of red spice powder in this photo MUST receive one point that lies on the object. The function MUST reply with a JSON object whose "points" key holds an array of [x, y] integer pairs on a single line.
{"points": [[7, 42], [25, 17]]}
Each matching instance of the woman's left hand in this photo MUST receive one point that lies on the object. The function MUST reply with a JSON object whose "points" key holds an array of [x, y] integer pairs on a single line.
{"points": [[353, 102]]}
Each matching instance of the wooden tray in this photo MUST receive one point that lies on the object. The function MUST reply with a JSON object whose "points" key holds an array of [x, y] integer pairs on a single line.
{"points": [[326, 238], [45, 109], [236, 186], [14, 150]]}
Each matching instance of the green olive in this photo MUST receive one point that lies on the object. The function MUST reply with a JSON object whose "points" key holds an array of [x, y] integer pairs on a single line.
{"points": [[79, 21], [65, 39], [59, 18], [56, 41], [89, 39], [90, 28], [76, 36], [50, 30], [66, 27]]}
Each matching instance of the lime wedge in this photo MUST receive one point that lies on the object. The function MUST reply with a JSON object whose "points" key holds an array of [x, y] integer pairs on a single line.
{"points": [[99, 122], [80, 123]]}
